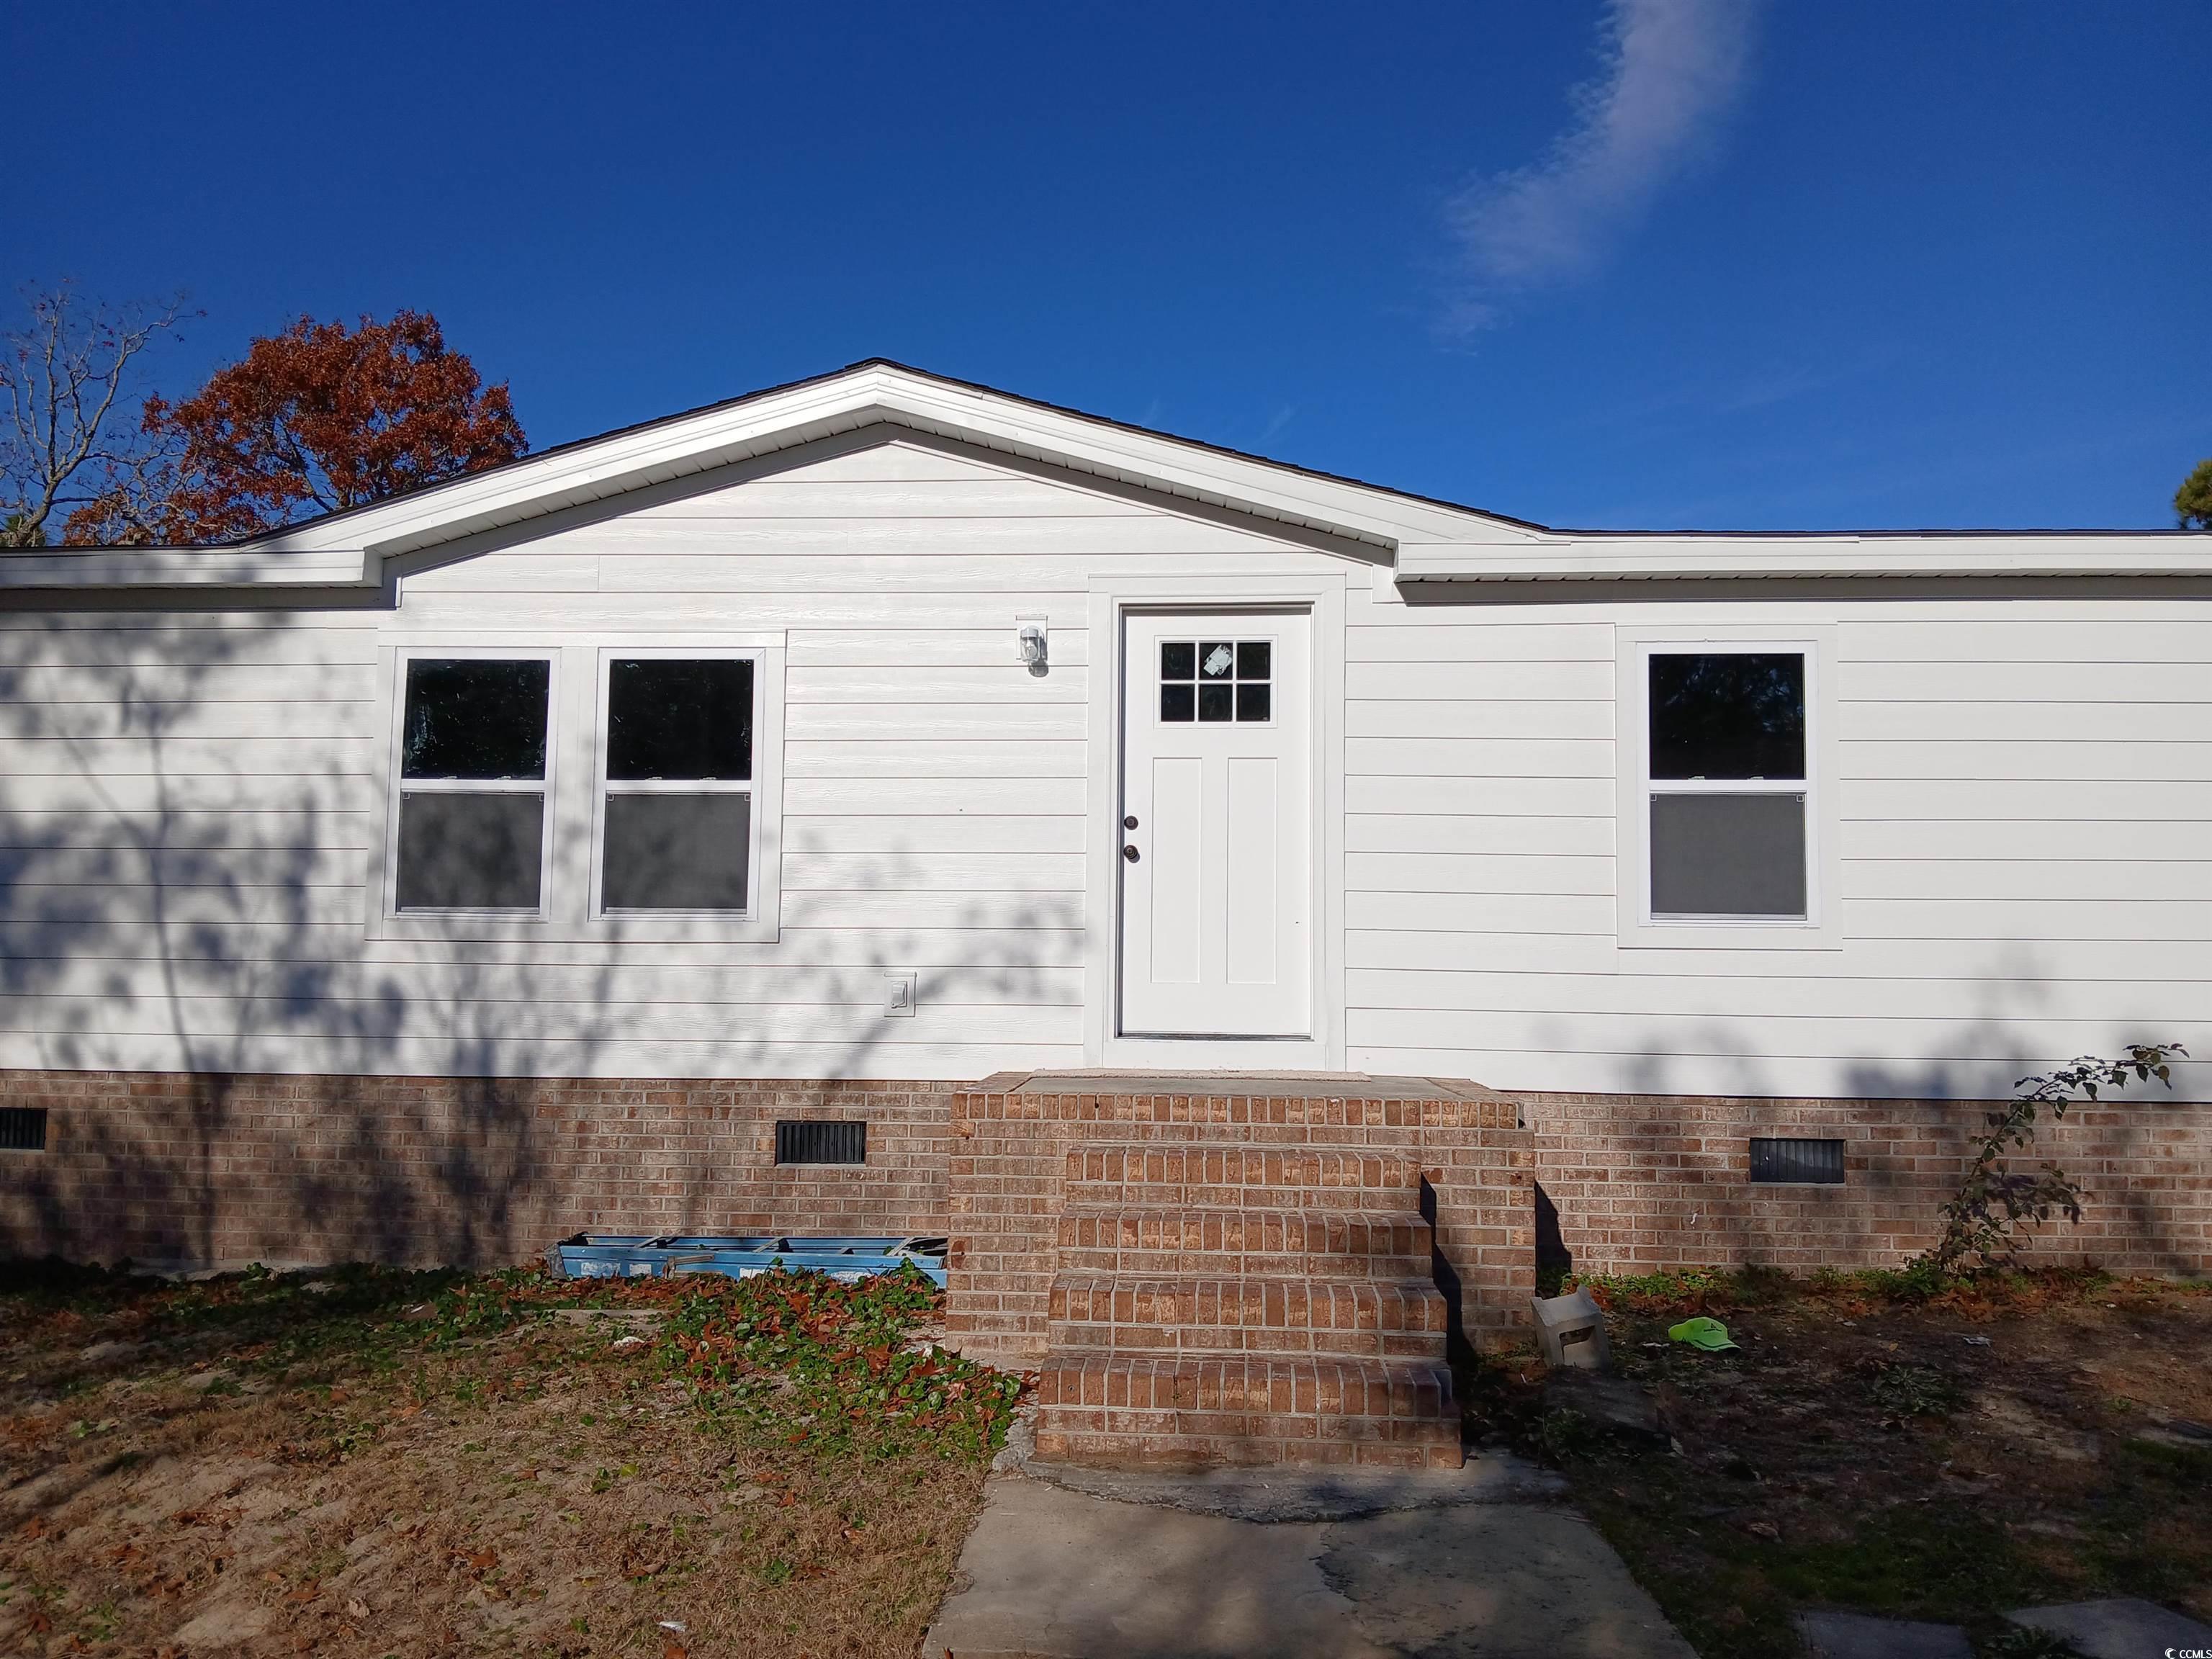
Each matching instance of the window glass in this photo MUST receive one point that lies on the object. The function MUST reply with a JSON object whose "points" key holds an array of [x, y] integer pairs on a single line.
{"points": [[1725, 715], [670, 718], [474, 719], [459, 851], [671, 851], [1728, 855], [1216, 681]]}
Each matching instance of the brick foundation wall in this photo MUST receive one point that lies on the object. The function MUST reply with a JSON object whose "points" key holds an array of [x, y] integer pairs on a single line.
{"points": [[222, 1170], [1009, 1171], [1648, 1181], [208, 1172]]}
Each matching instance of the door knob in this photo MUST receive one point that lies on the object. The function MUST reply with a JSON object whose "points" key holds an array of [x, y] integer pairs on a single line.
{"points": [[1130, 854], [1129, 823]]}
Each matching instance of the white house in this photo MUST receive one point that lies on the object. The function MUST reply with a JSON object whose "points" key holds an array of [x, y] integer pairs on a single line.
{"points": [[884, 730]]}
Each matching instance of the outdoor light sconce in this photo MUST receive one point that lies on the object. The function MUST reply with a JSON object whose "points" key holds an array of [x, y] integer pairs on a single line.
{"points": [[1033, 648]]}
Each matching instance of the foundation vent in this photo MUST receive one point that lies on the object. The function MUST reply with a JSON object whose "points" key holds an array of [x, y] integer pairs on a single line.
{"points": [[821, 1143], [1799, 1163], [23, 1128]]}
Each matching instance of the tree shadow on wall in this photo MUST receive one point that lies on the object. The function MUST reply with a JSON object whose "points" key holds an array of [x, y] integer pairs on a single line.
{"points": [[1939, 1099], [183, 844]]}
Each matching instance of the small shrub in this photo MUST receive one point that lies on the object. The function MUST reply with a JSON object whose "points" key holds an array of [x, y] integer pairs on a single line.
{"points": [[1993, 1201]]}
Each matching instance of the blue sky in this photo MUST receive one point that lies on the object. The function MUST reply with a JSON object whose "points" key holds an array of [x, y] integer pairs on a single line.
{"points": [[1654, 262]]}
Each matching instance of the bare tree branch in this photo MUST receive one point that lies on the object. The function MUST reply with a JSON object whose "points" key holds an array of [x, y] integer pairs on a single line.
{"points": [[62, 375]]}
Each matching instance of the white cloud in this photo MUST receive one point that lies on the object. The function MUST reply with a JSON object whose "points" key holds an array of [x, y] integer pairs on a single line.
{"points": [[1671, 69]]}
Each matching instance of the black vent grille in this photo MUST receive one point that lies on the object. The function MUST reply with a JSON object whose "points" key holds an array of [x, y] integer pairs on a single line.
{"points": [[23, 1128], [1820, 1163], [821, 1143]]}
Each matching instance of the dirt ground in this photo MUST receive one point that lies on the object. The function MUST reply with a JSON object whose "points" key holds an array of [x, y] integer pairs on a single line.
{"points": [[2026, 1439], [370, 1463]]}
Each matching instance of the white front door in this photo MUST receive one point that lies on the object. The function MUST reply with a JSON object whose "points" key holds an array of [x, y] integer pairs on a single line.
{"points": [[1216, 831]]}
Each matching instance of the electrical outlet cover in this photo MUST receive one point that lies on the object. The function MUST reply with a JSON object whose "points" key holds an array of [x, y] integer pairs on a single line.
{"points": [[898, 996]]}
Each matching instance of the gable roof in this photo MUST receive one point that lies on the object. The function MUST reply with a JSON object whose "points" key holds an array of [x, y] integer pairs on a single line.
{"points": [[1425, 540]]}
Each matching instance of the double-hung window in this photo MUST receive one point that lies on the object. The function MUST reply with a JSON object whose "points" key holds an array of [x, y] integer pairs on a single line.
{"points": [[678, 832], [1727, 785], [1721, 796], [470, 832]]}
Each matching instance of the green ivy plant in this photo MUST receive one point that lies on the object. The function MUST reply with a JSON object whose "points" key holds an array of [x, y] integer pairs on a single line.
{"points": [[1993, 1201]]}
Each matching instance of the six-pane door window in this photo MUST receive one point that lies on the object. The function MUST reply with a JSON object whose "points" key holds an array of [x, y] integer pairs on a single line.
{"points": [[1217, 681], [472, 784], [677, 830], [1727, 785]]}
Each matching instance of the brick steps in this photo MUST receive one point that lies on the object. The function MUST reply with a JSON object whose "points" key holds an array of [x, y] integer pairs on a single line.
{"points": [[1237, 1176], [1378, 1319], [1229, 1302], [1289, 1243], [1116, 1408]]}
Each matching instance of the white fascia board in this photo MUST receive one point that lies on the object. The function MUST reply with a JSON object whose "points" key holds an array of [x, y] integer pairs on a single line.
{"points": [[715, 438], [1678, 558], [102, 568]]}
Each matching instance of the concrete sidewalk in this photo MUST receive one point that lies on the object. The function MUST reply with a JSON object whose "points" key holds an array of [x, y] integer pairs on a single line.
{"points": [[1077, 1564]]}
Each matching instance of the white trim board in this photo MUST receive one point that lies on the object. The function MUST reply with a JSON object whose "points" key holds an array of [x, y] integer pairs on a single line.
{"points": [[1426, 541]]}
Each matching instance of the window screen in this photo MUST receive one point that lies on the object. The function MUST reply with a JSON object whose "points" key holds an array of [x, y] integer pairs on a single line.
{"points": [[1726, 782], [462, 851], [1724, 855], [677, 828], [676, 851], [472, 747]]}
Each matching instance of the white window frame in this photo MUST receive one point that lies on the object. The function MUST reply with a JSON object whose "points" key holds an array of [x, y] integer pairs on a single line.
{"points": [[575, 738], [397, 786], [602, 785], [1819, 929]]}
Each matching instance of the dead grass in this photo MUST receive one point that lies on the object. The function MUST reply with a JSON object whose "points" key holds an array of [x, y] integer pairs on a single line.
{"points": [[380, 1463], [1874, 1446]]}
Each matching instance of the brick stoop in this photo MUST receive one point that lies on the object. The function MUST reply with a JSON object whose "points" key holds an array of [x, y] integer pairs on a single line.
{"points": [[1229, 1302]]}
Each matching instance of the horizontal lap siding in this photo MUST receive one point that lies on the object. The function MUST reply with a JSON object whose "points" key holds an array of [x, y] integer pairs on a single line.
{"points": [[197, 898], [2024, 802]]}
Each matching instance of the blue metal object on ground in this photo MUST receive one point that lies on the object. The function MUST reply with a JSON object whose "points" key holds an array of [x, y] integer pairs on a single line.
{"points": [[647, 1256]]}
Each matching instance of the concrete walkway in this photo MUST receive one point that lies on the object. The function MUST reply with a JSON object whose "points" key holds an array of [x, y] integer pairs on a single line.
{"points": [[1074, 1563]]}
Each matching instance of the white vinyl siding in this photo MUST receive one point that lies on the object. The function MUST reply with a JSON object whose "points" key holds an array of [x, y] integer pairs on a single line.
{"points": [[2025, 866], [191, 807]]}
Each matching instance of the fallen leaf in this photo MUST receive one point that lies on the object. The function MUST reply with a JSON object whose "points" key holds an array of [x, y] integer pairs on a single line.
{"points": [[357, 1608]]}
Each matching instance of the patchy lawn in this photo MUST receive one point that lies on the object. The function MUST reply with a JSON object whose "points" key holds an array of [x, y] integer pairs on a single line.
{"points": [[1878, 1445], [374, 1462]]}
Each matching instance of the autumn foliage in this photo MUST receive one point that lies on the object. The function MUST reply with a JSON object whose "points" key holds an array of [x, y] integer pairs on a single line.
{"points": [[318, 418]]}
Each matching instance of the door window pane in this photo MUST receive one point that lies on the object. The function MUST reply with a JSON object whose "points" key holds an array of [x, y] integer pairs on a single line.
{"points": [[1232, 678], [666, 852], [1728, 855], [474, 719], [1725, 715], [676, 718], [469, 852]]}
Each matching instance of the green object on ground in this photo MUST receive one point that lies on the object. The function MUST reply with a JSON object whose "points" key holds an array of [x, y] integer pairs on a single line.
{"points": [[1701, 1333]]}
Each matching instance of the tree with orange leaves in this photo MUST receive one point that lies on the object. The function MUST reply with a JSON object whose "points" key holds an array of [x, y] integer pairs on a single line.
{"points": [[314, 420]]}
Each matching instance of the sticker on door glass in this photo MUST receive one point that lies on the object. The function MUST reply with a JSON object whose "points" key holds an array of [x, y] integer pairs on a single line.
{"points": [[1217, 681]]}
